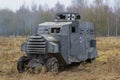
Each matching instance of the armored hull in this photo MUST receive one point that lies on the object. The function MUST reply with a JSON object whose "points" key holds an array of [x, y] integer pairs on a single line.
{"points": [[59, 43]]}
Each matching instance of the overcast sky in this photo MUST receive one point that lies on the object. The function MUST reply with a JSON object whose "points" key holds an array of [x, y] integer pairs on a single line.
{"points": [[15, 4]]}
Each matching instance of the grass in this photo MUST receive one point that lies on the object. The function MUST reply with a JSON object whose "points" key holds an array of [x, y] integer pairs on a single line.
{"points": [[105, 67]]}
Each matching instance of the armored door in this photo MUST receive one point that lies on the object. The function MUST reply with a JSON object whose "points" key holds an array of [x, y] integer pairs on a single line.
{"points": [[78, 43]]}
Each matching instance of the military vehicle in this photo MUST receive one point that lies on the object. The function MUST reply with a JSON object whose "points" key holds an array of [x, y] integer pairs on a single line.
{"points": [[55, 44]]}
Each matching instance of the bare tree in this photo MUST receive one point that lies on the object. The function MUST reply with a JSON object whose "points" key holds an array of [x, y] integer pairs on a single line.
{"points": [[117, 7], [59, 7]]}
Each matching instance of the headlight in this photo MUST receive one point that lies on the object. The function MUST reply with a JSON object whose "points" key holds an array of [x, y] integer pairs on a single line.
{"points": [[23, 47]]}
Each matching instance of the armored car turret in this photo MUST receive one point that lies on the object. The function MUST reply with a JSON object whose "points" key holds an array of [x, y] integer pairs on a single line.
{"points": [[65, 41]]}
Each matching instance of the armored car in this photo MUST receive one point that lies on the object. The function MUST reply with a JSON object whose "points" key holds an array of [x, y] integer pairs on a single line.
{"points": [[65, 41]]}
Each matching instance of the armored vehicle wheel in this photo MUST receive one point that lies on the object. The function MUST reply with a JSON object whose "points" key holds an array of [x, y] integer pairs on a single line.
{"points": [[52, 65], [21, 64], [90, 60]]}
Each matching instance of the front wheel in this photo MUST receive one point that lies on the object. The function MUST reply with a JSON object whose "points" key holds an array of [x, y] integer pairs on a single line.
{"points": [[22, 64], [52, 65]]}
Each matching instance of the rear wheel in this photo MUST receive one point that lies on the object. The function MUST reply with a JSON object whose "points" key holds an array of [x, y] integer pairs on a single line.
{"points": [[22, 64], [52, 65], [90, 60]]}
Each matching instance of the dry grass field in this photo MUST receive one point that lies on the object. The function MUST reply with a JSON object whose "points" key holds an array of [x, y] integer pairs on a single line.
{"points": [[105, 67]]}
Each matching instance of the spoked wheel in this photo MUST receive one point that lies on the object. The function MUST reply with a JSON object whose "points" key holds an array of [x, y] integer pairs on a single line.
{"points": [[21, 64], [52, 65]]}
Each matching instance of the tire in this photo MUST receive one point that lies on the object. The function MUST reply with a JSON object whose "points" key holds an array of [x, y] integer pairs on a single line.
{"points": [[52, 65], [21, 64], [90, 60]]}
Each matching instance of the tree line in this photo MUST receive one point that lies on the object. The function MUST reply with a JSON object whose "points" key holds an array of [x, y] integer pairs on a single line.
{"points": [[104, 16]]}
